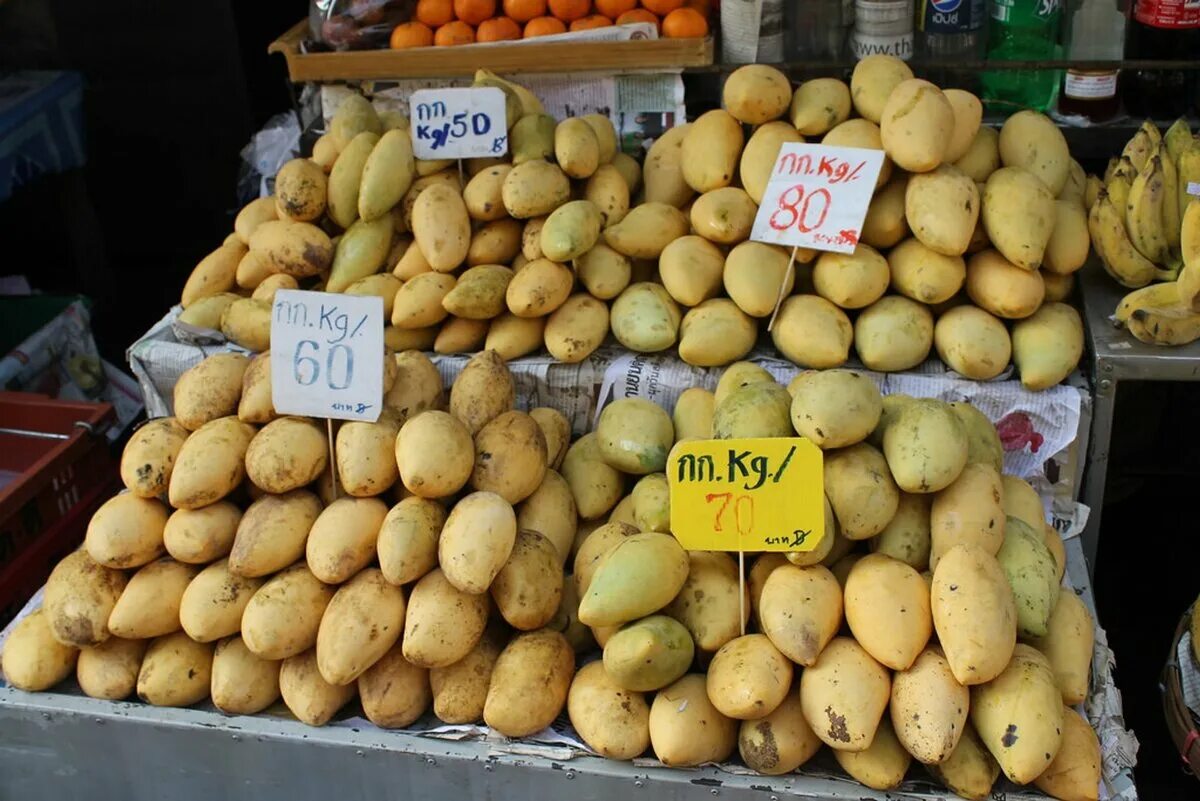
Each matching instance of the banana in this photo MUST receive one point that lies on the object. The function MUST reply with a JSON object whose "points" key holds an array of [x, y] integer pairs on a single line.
{"points": [[1138, 148], [1144, 212], [1120, 258], [1152, 133], [512, 103], [1189, 176], [1092, 191], [1178, 138], [1111, 168], [1118, 189], [1175, 324], [1163, 294], [1189, 240], [526, 102], [1170, 209], [1126, 168]]}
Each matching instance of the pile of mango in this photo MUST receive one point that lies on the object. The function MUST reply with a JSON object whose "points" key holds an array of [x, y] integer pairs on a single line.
{"points": [[968, 249], [465, 557]]}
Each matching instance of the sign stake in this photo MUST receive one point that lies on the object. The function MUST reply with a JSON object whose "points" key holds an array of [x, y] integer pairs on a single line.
{"points": [[742, 588], [791, 269], [333, 481]]}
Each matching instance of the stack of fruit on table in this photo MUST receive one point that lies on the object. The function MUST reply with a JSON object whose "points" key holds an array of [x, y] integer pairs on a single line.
{"points": [[1144, 220], [473, 560], [969, 246], [458, 22]]}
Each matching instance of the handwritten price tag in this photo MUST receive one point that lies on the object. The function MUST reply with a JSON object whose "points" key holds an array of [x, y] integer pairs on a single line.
{"points": [[458, 123], [327, 355], [817, 197], [747, 495]]}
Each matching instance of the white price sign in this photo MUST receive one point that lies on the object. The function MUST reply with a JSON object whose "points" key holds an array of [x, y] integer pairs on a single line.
{"points": [[817, 197], [327, 355], [458, 123]]}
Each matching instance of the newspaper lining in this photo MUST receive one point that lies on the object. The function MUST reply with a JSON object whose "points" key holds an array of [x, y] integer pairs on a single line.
{"points": [[1035, 425]]}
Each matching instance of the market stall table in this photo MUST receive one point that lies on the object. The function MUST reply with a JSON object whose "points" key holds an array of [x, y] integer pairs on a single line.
{"points": [[64, 745], [1114, 355]]}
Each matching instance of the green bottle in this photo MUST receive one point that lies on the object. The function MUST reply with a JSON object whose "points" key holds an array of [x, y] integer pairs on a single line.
{"points": [[1023, 30]]}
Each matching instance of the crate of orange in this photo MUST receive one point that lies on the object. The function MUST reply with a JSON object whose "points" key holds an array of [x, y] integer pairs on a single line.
{"points": [[444, 38]]}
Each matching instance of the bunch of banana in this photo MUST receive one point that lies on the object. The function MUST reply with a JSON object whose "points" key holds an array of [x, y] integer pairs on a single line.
{"points": [[1144, 220]]}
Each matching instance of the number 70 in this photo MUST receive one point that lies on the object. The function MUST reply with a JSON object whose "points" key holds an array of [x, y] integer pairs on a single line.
{"points": [[743, 511]]}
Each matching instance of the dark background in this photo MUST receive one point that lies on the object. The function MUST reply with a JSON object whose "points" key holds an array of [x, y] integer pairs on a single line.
{"points": [[174, 90]]}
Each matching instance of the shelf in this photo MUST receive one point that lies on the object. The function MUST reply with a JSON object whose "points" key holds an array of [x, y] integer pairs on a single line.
{"points": [[1116, 354], [919, 65], [505, 58]]}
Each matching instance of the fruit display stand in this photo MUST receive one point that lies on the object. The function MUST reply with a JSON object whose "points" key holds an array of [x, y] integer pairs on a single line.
{"points": [[1114, 355], [605, 56], [65, 745]]}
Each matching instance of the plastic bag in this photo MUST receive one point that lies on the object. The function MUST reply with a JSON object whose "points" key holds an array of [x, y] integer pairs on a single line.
{"points": [[356, 24], [277, 143]]}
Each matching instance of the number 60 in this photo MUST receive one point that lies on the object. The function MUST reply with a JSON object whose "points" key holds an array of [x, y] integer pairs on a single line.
{"points": [[307, 370]]}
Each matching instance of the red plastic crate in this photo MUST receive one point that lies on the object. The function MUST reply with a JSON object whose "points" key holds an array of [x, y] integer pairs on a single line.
{"points": [[52, 478]]}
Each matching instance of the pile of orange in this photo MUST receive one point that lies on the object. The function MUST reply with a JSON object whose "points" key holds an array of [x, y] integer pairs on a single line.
{"points": [[455, 22]]}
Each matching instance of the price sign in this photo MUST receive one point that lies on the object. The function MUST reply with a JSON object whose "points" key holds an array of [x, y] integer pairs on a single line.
{"points": [[458, 123], [817, 197], [327, 355], [747, 494]]}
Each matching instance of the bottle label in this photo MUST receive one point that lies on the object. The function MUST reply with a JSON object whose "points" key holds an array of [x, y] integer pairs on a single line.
{"points": [[1043, 11], [951, 16], [1090, 86], [865, 44], [1168, 14]]}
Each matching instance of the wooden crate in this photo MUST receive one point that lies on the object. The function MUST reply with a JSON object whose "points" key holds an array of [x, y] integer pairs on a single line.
{"points": [[506, 59]]}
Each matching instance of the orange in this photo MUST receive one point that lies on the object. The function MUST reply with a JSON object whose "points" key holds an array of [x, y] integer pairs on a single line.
{"points": [[434, 13], [454, 33], [685, 23], [570, 10], [411, 34], [544, 26], [662, 7], [637, 15], [524, 10], [703, 6], [497, 30], [473, 12], [615, 8], [589, 22]]}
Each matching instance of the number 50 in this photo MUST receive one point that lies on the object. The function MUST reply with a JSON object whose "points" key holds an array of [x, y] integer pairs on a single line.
{"points": [[800, 209], [306, 369]]}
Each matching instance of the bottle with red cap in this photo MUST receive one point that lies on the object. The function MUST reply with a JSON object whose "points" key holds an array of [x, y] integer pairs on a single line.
{"points": [[1163, 30]]}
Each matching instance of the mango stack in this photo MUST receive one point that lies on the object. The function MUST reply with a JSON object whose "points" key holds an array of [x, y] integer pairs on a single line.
{"points": [[968, 249], [470, 559]]}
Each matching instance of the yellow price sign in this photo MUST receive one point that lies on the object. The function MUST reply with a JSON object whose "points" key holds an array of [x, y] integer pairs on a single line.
{"points": [[747, 494]]}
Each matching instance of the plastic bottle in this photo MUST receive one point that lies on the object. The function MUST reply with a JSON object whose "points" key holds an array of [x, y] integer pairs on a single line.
{"points": [[818, 30], [1095, 31], [950, 31], [1023, 30], [883, 26], [1162, 29]]}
